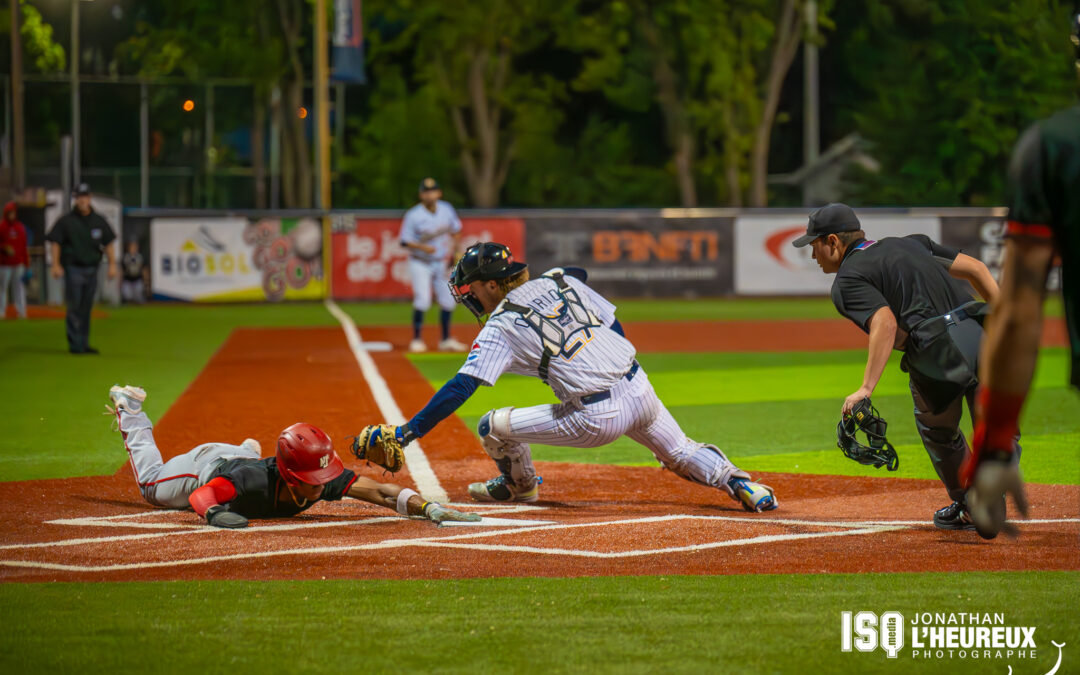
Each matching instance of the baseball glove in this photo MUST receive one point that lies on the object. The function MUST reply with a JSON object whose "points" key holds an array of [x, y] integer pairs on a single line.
{"points": [[880, 452], [379, 444]]}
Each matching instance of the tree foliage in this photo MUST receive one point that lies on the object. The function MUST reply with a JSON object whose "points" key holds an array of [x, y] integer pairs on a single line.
{"points": [[949, 86]]}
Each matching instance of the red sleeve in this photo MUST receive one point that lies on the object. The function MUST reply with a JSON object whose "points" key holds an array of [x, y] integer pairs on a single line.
{"points": [[217, 491]]}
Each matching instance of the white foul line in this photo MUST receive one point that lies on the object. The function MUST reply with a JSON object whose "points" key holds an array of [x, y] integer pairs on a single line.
{"points": [[426, 481]]}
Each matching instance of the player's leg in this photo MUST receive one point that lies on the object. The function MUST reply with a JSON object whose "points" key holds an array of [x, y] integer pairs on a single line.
{"points": [[138, 433], [946, 446], [19, 288], [6, 275], [704, 464], [507, 432], [445, 299], [420, 275]]}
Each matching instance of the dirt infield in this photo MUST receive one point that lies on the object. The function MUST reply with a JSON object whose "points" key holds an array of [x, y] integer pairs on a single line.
{"points": [[592, 520]]}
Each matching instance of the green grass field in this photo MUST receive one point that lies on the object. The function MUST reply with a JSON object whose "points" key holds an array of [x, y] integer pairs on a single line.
{"points": [[770, 412]]}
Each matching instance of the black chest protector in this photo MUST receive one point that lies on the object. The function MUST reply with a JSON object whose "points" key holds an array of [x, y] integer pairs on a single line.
{"points": [[555, 331]]}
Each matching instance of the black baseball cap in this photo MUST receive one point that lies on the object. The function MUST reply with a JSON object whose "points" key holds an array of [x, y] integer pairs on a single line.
{"points": [[429, 184], [829, 219], [82, 189]]}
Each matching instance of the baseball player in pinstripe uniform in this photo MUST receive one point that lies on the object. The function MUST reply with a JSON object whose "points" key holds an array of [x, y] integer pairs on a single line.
{"points": [[558, 329], [431, 231]]}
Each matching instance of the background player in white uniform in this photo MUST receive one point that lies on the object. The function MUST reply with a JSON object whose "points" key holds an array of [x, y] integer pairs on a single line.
{"points": [[558, 329], [431, 231]]}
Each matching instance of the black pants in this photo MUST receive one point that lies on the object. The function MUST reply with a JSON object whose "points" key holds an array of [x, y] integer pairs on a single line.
{"points": [[80, 284], [940, 429]]}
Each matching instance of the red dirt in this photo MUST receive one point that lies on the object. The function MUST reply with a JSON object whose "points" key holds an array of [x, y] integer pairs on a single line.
{"points": [[35, 312], [263, 380]]}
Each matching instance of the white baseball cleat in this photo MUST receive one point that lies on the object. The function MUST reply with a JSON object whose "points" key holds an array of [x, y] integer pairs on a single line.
{"points": [[452, 345], [127, 398], [417, 346]]}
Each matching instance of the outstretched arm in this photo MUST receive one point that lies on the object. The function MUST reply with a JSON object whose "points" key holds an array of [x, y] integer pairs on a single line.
{"points": [[405, 501], [882, 336], [976, 273]]}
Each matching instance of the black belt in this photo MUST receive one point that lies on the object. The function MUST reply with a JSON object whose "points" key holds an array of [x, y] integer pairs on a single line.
{"points": [[605, 395]]}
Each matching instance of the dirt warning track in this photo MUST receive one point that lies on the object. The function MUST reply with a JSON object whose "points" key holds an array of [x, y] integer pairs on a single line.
{"points": [[591, 520]]}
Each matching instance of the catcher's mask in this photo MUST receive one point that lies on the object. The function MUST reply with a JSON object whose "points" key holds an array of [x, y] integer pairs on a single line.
{"points": [[485, 261], [879, 452], [305, 454]]}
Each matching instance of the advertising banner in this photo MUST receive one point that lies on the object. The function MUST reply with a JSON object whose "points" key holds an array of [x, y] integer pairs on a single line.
{"points": [[236, 260], [767, 264], [983, 237], [369, 262], [637, 256]]}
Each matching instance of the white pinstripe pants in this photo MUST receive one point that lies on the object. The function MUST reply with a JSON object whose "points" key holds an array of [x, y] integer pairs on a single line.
{"points": [[633, 410]]}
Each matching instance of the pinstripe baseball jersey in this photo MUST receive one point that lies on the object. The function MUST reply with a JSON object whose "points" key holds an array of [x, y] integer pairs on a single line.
{"points": [[420, 226], [592, 358]]}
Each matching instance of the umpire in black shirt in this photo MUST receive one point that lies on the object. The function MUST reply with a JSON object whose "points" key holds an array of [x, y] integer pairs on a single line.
{"points": [[78, 239], [904, 292]]}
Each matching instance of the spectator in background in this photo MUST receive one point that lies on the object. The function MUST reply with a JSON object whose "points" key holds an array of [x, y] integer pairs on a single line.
{"points": [[14, 260], [132, 287], [78, 239]]}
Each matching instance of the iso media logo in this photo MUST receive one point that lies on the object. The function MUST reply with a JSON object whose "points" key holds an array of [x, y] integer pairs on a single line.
{"points": [[866, 631]]}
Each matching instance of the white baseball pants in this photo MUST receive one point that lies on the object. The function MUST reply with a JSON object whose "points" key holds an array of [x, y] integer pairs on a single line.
{"points": [[428, 275], [170, 483]]}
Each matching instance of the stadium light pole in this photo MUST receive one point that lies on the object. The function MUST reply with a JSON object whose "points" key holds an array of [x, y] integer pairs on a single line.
{"points": [[322, 109], [18, 132], [811, 131]]}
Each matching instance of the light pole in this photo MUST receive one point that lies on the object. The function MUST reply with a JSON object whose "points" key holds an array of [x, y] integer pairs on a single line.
{"points": [[75, 133]]}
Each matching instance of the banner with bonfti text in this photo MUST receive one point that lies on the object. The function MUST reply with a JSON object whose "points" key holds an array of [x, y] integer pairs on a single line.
{"points": [[369, 262], [236, 259], [637, 255], [767, 264]]}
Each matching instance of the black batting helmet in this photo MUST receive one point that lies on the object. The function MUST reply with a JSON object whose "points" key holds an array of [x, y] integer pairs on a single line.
{"points": [[485, 261]]}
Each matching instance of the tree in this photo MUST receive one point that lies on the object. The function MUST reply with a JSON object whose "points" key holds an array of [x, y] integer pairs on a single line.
{"points": [[261, 41], [716, 68], [943, 89], [467, 53]]}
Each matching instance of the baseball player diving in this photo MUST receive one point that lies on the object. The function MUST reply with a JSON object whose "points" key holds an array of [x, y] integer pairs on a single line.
{"points": [[431, 231], [228, 484], [904, 292], [559, 330]]}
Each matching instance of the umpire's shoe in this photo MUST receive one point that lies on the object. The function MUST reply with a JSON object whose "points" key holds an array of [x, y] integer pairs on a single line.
{"points": [[498, 489], [955, 516]]}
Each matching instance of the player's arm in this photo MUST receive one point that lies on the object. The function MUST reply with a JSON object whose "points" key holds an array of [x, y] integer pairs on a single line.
{"points": [[210, 500], [405, 501], [882, 327], [973, 271], [409, 238], [444, 403], [1013, 330]]}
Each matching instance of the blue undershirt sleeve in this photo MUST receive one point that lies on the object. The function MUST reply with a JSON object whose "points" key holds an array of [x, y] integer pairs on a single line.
{"points": [[617, 327], [443, 404]]}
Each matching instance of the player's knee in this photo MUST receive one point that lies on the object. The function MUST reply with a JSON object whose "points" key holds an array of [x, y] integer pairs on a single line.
{"points": [[494, 431]]}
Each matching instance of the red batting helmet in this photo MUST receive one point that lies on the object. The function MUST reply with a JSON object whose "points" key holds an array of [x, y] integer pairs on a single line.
{"points": [[305, 454]]}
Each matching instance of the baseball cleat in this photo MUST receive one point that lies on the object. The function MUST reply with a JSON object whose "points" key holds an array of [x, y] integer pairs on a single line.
{"points": [[417, 346], [452, 345], [127, 398], [498, 489], [252, 445], [986, 497], [953, 517], [753, 496]]}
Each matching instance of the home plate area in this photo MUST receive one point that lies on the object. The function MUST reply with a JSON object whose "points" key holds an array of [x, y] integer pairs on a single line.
{"points": [[158, 539]]}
